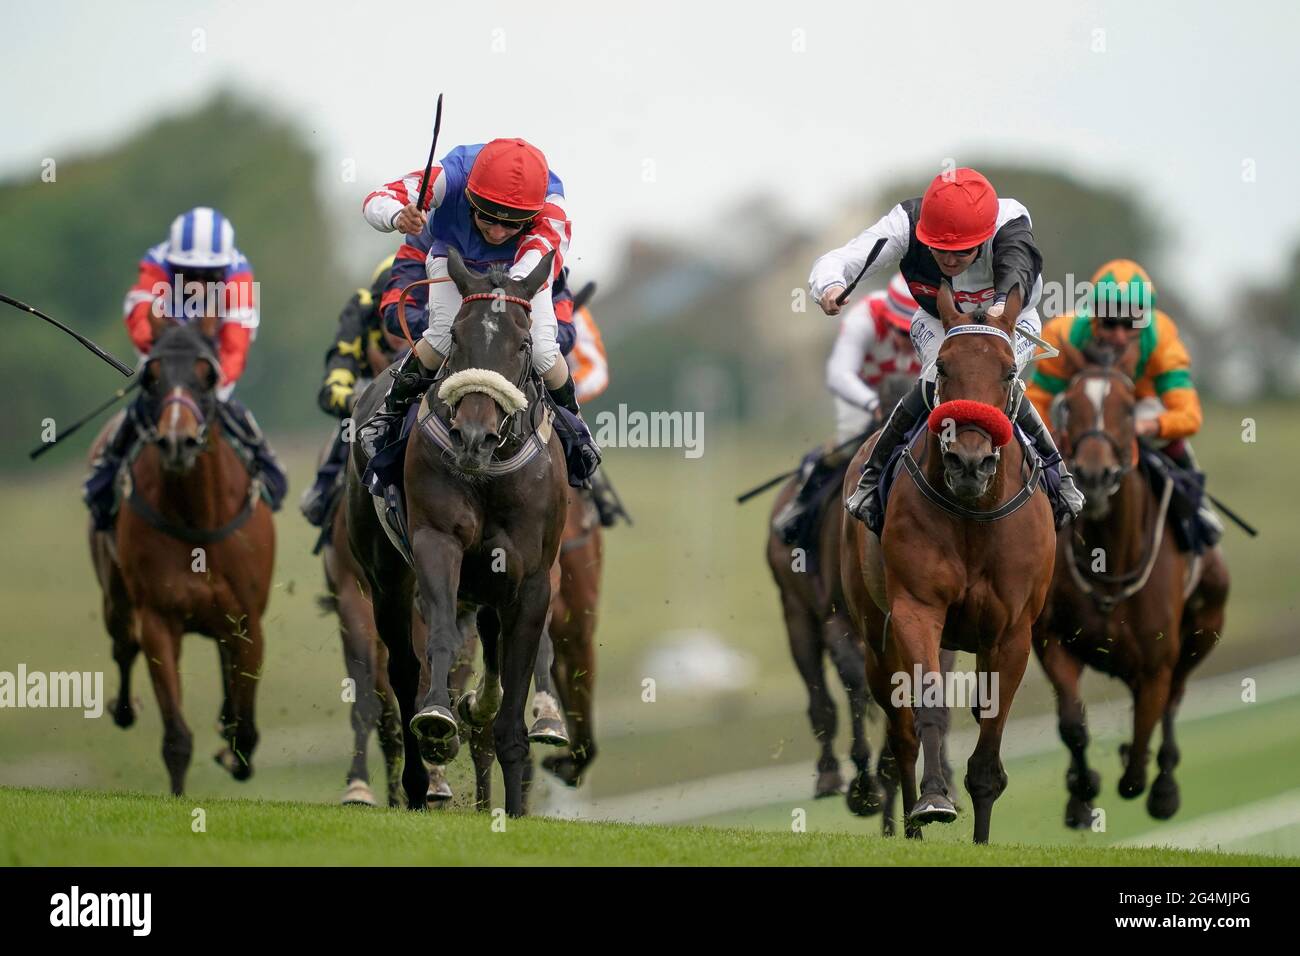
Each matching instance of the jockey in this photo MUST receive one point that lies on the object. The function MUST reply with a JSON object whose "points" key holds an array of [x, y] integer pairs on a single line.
{"points": [[959, 232], [497, 203], [1120, 309], [176, 281], [360, 334], [874, 342], [590, 370]]}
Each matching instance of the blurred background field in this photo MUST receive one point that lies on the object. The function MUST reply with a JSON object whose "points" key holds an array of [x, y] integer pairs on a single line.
{"points": [[690, 576]]}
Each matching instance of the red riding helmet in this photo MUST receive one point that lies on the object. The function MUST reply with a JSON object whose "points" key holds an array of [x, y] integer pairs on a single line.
{"points": [[958, 211], [508, 180]]}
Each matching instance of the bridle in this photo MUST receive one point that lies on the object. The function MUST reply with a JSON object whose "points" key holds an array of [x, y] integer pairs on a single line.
{"points": [[1126, 457], [511, 421], [149, 430]]}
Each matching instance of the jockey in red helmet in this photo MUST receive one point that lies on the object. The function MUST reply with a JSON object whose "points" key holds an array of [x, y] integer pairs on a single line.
{"points": [[496, 204], [961, 233]]}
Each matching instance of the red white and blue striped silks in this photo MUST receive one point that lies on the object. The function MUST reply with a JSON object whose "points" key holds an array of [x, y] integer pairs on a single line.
{"points": [[161, 280]]}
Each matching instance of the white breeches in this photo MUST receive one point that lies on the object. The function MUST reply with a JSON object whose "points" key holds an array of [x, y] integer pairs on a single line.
{"points": [[849, 420], [927, 337]]}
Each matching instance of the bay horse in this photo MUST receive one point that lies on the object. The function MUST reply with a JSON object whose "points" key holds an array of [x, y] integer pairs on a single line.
{"points": [[1124, 600], [807, 577], [192, 550], [964, 563], [485, 499]]}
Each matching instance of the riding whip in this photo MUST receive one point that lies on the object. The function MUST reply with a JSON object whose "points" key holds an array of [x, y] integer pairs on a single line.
{"points": [[124, 369], [433, 148], [855, 440], [880, 244], [117, 396]]}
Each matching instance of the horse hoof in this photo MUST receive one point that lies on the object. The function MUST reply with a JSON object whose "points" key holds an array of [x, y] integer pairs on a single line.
{"points": [[123, 711], [888, 827], [358, 794], [1163, 801], [932, 808], [865, 798], [1078, 814], [830, 783], [436, 731], [550, 731], [565, 768], [227, 760], [1084, 789], [1131, 786]]}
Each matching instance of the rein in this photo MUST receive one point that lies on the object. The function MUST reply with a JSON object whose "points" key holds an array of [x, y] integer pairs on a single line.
{"points": [[512, 421], [1133, 581], [1019, 499]]}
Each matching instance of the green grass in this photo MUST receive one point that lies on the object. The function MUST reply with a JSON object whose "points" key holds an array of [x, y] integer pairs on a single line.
{"points": [[54, 828]]}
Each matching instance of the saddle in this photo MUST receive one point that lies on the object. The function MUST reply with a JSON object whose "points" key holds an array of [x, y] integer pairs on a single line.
{"points": [[1185, 504]]}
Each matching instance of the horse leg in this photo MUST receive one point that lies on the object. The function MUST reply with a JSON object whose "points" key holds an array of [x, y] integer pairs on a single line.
{"points": [[360, 659], [917, 630], [947, 664], [864, 796], [437, 561], [245, 649], [161, 641], [985, 776], [389, 727], [1081, 781], [522, 626], [393, 620], [117, 618], [575, 675], [806, 648], [479, 709], [877, 679], [548, 725], [1150, 701]]}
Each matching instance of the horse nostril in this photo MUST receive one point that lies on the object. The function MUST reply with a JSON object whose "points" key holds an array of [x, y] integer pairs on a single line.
{"points": [[989, 464], [952, 461]]}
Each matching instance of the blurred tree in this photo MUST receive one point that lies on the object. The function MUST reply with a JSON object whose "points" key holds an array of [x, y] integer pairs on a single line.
{"points": [[70, 247]]}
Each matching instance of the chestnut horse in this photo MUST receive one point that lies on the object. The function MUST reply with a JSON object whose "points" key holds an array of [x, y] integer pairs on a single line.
{"points": [[191, 551], [1124, 599], [485, 485], [964, 563], [817, 626]]}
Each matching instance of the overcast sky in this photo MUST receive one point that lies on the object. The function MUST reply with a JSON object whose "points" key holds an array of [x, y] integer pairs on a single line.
{"points": [[656, 119]]}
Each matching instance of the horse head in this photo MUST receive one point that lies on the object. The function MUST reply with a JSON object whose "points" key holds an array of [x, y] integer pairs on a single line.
{"points": [[179, 384], [490, 357], [975, 374], [1095, 417]]}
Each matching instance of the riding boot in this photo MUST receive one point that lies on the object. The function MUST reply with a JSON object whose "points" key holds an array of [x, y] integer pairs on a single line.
{"points": [[316, 501], [410, 381], [97, 491], [1211, 525], [243, 427], [812, 471], [580, 450], [608, 506], [864, 503], [1070, 500]]}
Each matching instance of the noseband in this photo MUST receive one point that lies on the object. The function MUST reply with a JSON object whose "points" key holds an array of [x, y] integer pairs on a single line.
{"points": [[150, 431], [1125, 457]]}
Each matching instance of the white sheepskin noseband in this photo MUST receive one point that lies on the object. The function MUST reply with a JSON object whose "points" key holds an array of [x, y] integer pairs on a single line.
{"points": [[490, 383]]}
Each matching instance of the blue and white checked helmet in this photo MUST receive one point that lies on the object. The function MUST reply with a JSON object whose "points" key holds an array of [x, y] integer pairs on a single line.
{"points": [[201, 239]]}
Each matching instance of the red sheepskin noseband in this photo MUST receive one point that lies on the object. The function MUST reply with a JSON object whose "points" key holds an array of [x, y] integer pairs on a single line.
{"points": [[965, 412]]}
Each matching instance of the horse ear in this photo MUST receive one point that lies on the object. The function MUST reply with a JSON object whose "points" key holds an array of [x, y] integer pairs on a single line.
{"points": [[534, 281], [949, 314], [460, 273]]}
